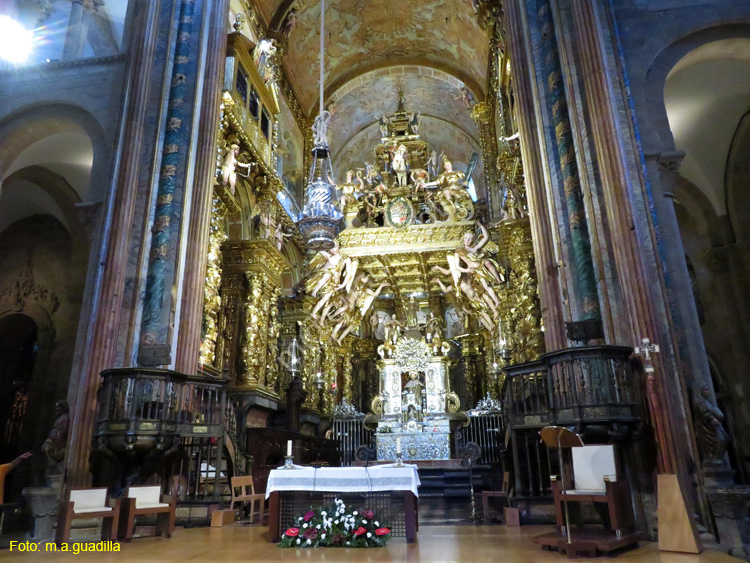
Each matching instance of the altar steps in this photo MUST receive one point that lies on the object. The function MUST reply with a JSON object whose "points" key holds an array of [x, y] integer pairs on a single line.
{"points": [[448, 483]]}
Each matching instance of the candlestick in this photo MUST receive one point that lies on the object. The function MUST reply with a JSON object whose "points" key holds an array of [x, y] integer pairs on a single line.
{"points": [[398, 446], [289, 448]]}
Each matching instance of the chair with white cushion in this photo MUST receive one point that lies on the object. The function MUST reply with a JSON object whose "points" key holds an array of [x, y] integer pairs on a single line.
{"points": [[138, 501], [595, 480], [88, 503]]}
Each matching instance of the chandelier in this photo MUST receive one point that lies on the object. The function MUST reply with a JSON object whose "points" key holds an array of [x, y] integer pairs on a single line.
{"points": [[320, 221]]}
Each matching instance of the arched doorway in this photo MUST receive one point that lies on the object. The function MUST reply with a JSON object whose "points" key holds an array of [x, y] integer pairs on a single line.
{"points": [[18, 334], [706, 97]]}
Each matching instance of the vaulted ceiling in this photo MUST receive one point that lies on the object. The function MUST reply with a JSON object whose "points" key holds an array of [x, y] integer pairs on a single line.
{"points": [[433, 50]]}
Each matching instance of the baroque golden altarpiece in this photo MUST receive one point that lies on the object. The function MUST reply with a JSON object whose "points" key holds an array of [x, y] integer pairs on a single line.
{"points": [[415, 310]]}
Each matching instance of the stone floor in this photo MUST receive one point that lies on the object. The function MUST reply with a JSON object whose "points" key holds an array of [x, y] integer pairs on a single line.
{"points": [[434, 543]]}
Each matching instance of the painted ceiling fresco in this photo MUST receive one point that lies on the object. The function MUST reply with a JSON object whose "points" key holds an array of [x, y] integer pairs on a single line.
{"points": [[377, 95], [368, 34]]}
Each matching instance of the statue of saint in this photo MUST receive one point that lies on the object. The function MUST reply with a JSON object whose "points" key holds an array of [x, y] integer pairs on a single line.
{"points": [[55, 445], [414, 385], [349, 189], [712, 438]]}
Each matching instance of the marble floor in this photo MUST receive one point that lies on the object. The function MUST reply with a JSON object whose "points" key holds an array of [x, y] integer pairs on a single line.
{"points": [[434, 543]]}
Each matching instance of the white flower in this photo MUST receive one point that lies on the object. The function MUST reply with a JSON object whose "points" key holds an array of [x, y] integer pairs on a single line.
{"points": [[364, 521], [299, 519], [309, 542], [304, 525], [336, 522], [322, 536], [348, 543], [355, 513], [324, 513], [369, 535], [377, 524], [318, 526], [298, 541]]}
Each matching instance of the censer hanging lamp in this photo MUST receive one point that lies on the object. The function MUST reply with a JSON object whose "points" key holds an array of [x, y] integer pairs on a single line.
{"points": [[320, 221]]}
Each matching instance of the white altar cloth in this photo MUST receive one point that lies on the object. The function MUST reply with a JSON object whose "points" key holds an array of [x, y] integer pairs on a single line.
{"points": [[345, 479]]}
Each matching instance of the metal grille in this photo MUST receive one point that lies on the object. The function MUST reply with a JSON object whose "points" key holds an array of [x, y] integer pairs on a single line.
{"points": [[488, 431], [351, 434], [387, 506]]}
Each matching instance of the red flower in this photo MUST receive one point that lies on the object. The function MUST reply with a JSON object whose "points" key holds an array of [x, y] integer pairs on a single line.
{"points": [[292, 532], [309, 515], [382, 532], [368, 514], [310, 534], [361, 530]]}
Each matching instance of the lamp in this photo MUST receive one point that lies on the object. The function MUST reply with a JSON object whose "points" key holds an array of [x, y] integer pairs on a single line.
{"points": [[320, 221]]}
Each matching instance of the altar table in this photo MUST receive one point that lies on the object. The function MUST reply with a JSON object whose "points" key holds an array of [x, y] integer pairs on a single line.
{"points": [[367, 480]]}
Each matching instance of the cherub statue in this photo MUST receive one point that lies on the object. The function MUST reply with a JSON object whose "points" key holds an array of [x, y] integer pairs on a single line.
{"points": [[290, 22], [332, 272], [419, 177], [320, 128], [280, 235], [229, 167]]}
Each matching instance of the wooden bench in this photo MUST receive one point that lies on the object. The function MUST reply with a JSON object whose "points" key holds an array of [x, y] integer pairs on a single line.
{"points": [[242, 483], [87, 503], [139, 501]]}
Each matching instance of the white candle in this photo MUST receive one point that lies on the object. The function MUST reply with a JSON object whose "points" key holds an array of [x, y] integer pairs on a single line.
{"points": [[288, 448], [398, 446]]}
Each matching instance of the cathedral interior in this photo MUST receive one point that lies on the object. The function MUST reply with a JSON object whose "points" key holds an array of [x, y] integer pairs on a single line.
{"points": [[239, 234]]}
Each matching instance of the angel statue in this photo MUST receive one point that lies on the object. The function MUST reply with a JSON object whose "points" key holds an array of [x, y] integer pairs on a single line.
{"points": [[452, 195], [354, 312], [332, 272], [383, 122], [229, 167], [414, 123]]}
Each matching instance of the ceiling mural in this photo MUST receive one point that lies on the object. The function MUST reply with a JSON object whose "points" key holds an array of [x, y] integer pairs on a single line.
{"points": [[368, 34], [377, 95]]}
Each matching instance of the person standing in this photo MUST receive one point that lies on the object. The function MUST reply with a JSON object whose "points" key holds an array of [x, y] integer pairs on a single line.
{"points": [[7, 468]]}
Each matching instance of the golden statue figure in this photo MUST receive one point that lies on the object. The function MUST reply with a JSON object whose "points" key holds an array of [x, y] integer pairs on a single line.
{"points": [[353, 311], [452, 194], [332, 272]]}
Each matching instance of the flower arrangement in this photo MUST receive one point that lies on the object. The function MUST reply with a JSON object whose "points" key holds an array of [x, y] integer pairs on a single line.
{"points": [[335, 526]]}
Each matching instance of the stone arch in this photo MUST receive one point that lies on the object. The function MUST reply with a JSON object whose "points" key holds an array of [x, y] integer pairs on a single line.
{"points": [[20, 129], [663, 62], [737, 181]]}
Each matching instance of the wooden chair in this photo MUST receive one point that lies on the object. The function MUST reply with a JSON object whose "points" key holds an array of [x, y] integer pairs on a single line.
{"points": [[138, 501], [242, 483], [595, 480], [503, 493], [88, 503]]}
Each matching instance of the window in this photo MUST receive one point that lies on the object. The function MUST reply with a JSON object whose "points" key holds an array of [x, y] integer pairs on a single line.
{"points": [[241, 85], [254, 106], [265, 125]]}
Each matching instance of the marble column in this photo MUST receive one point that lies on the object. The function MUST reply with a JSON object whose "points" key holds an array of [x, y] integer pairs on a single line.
{"points": [[104, 318], [543, 237]]}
